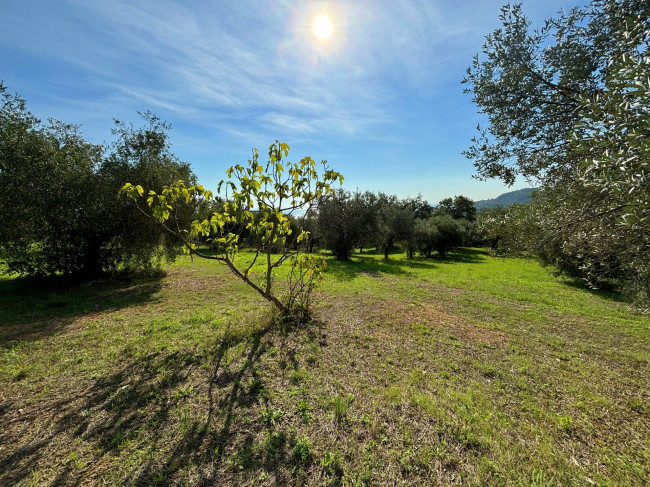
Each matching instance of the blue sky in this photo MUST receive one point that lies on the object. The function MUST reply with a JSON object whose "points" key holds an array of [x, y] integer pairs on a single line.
{"points": [[381, 100]]}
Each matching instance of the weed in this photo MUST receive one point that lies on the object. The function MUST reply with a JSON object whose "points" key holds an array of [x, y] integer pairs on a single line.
{"points": [[405, 459], [256, 387], [302, 451], [332, 464], [366, 419], [439, 451], [243, 457], [275, 443], [566, 423], [183, 392], [270, 417], [304, 409]]}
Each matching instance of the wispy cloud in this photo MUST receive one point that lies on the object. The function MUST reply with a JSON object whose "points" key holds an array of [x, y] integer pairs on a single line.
{"points": [[200, 61], [197, 64]]}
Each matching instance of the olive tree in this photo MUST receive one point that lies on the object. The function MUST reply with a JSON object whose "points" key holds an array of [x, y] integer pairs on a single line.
{"points": [[58, 211], [567, 108], [339, 223], [460, 208], [396, 223], [440, 233], [258, 201]]}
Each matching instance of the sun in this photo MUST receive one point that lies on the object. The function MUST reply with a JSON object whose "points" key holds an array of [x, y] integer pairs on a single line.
{"points": [[323, 27]]}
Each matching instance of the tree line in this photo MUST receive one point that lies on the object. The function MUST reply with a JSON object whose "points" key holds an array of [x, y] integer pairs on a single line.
{"points": [[345, 221], [59, 211]]}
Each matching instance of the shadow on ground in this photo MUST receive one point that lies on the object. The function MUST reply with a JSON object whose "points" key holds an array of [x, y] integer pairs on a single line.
{"points": [[31, 308], [374, 264], [606, 292], [159, 418]]}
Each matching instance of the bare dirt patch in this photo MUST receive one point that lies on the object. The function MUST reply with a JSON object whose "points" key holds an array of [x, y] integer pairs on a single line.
{"points": [[392, 312]]}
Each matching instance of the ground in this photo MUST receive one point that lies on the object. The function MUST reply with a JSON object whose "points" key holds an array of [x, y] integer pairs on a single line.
{"points": [[470, 370]]}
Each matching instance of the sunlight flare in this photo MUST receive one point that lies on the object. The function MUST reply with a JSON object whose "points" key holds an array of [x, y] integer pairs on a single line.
{"points": [[323, 27]]}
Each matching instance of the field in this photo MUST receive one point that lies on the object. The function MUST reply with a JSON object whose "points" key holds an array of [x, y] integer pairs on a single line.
{"points": [[470, 370]]}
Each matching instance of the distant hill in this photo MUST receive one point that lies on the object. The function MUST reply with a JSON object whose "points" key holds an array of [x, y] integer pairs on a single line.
{"points": [[521, 196]]}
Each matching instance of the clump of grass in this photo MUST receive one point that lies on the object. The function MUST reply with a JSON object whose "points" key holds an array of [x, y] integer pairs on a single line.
{"points": [[639, 406], [539, 479], [340, 408], [298, 375]]}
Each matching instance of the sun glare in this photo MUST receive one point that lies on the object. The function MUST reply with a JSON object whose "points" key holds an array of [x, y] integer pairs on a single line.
{"points": [[323, 27]]}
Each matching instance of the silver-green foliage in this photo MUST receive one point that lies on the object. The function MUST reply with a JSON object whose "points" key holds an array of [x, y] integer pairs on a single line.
{"points": [[567, 107], [58, 210]]}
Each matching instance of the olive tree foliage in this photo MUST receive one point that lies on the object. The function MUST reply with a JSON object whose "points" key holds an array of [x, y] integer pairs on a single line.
{"points": [[440, 233], [367, 205], [512, 230], [258, 202], [567, 107], [340, 223], [396, 223], [58, 208], [460, 208], [144, 154], [349, 220], [421, 207], [47, 177]]}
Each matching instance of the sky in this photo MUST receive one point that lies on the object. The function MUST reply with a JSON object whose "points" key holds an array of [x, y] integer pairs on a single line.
{"points": [[380, 100]]}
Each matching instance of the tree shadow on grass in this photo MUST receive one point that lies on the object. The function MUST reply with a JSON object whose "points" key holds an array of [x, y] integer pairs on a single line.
{"points": [[609, 293], [32, 308], [375, 265], [464, 256], [157, 418]]}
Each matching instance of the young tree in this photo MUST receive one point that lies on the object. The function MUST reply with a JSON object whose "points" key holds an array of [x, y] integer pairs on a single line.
{"points": [[258, 200]]}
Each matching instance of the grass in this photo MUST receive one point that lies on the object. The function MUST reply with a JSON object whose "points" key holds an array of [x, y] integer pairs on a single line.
{"points": [[470, 370]]}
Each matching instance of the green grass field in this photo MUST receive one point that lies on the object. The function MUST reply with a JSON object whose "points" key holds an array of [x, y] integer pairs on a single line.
{"points": [[472, 370]]}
